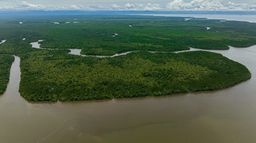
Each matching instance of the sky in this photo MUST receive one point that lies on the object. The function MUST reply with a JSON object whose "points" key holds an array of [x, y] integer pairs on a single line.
{"points": [[172, 5]]}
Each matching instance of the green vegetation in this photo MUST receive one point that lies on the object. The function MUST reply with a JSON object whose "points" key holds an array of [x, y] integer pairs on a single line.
{"points": [[52, 75], [68, 78], [94, 34], [5, 65]]}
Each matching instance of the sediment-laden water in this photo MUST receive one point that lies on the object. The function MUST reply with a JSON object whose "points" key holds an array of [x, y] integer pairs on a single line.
{"points": [[224, 116]]}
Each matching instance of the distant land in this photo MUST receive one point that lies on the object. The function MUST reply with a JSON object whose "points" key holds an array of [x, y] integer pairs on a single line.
{"points": [[96, 55]]}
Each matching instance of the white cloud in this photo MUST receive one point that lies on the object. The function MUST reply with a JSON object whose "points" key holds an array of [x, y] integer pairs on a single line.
{"points": [[127, 5], [241, 6], [115, 6], [208, 5], [137, 6], [151, 6], [28, 5], [75, 7]]}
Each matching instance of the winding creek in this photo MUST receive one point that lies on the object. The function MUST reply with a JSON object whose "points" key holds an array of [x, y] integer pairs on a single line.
{"points": [[77, 52], [225, 116]]}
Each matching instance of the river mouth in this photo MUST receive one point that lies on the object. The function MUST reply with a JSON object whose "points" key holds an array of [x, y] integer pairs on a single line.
{"points": [[221, 116]]}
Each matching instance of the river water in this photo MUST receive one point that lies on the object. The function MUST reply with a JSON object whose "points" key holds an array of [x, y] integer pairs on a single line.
{"points": [[36, 45], [77, 52], [2, 42], [226, 116]]}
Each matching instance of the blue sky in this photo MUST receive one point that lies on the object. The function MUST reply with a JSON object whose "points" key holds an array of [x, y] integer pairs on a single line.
{"points": [[128, 5]]}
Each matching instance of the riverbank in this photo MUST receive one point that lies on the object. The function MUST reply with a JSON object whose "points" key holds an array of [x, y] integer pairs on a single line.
{"points": [[134, 75], [5, 66], [228, 112], [200, 76]]}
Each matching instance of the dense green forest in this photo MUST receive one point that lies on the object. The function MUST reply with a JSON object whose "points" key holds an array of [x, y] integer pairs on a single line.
{"points": [[96, 34], [5, 65], [54, 75], [58, 77]]}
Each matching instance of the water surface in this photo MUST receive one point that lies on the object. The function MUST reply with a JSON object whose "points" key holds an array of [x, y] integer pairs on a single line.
{"points": [[226, 116], [2, 41], [77, 52], [37, 44]]}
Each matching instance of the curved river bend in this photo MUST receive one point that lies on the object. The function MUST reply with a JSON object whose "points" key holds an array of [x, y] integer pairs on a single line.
{"points": [[226, 116]]}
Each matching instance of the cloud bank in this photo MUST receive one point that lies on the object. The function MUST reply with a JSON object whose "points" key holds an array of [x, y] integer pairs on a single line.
{"points": [[197, 5], [208, 5]]}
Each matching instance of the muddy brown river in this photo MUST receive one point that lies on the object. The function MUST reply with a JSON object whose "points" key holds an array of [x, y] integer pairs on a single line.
{"points": [[225, 116]]}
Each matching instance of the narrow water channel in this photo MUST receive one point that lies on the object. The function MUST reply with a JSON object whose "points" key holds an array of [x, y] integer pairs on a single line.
{"points": [[225, 116]]}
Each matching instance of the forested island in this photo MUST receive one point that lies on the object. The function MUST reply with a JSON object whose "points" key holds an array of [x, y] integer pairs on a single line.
{"points": [[152, 68]]}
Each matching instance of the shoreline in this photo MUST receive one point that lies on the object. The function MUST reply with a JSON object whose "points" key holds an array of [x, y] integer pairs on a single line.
{"points": [[139, 97]]}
